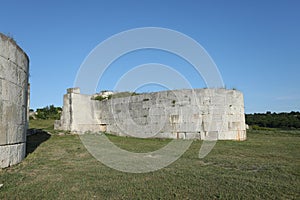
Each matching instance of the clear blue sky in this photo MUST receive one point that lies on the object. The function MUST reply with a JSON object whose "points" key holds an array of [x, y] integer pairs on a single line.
{"points": [[255, 44]]}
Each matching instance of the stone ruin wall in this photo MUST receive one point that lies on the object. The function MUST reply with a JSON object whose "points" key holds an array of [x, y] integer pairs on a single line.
{"points": [[14, 69], [185, 114]]}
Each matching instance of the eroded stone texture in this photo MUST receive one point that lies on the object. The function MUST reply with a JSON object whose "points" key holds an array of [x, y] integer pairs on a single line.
{"points": [[14, 65], [183, 114]]}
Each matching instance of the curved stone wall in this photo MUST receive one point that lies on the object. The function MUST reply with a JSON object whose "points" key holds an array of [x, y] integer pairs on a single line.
{"points": [[14, 66], [183, 114]]}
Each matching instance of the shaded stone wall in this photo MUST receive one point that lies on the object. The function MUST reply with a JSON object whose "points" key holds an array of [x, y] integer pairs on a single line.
{"points": [[14, 66], [186, 114]]}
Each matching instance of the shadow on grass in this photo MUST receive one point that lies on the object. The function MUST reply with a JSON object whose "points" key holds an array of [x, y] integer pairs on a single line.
{"points": [[35, 137]]}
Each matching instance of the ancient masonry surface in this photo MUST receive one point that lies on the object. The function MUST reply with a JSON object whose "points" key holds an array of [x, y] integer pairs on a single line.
{"points": [[186, 114], [14, 65]]}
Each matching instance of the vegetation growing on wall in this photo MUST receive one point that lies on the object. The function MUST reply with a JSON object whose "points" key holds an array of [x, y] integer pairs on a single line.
{"points": [[99, 98], [274, 120], [115, 95], [122, 94]]}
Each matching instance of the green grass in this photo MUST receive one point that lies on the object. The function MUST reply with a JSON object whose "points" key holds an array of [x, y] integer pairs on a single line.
{"points": [[266, 166], [46, 125]]}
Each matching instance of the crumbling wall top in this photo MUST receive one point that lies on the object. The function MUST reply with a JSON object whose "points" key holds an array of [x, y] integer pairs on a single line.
{"points": [[73, 90], [13, 42]]}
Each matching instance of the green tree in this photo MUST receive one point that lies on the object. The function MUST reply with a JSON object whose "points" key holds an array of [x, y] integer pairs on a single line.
{"points": [[48, 112]]}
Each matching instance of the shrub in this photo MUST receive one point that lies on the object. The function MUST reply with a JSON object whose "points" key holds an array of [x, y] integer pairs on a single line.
{"points": [[48, 112]]}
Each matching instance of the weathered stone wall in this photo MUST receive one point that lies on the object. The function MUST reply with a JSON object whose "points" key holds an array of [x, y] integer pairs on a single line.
{"points": [[78, 113], [14, 65], [186, 114]]}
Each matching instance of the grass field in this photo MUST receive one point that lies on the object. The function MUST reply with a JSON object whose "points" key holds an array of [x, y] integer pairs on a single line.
{"points": [[266, 166]]}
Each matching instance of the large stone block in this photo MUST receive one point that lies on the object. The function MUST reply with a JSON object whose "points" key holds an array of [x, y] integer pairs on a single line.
{"points": [[12, 154], [13, 101]]}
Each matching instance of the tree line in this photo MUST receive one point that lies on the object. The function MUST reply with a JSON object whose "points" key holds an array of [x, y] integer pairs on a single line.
{"points": [[274, 120], [48, 112]]}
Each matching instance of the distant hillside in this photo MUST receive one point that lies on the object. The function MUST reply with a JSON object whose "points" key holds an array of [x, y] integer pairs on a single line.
{"points": [[274, 120]]}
